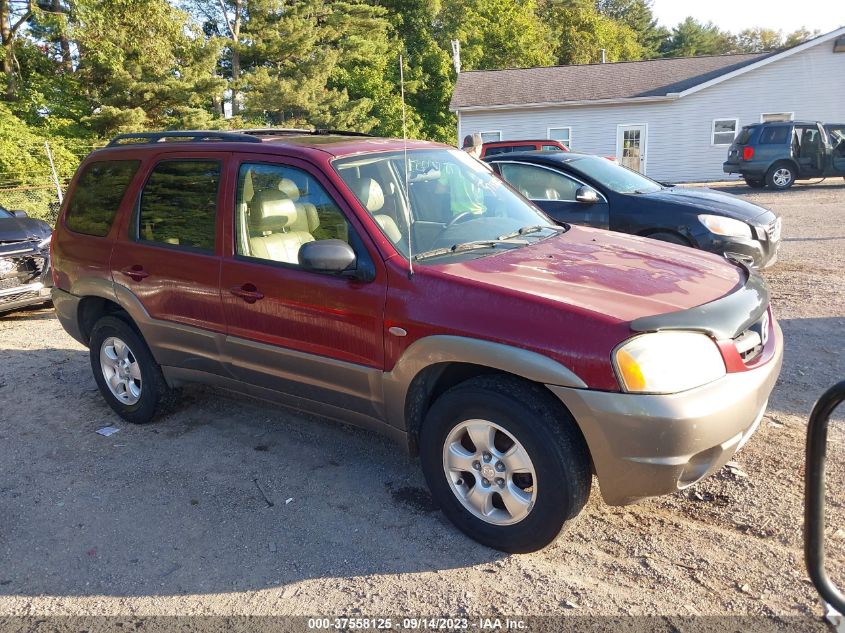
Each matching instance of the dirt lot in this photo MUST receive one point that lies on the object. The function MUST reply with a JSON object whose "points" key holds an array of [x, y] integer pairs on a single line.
{"points": [[229, 506]]}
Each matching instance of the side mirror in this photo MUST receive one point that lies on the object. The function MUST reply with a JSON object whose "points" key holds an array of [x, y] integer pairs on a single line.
{"points": [[327, 256], [20, 214], [587, 195]]}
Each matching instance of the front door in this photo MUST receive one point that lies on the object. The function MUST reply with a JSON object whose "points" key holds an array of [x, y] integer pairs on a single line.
{"points": [[555, 193], [631, 146], [313, 336]]}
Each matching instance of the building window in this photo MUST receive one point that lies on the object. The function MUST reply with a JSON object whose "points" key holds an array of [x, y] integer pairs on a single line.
{"points": [[491, 137], [724, 131], [562, 134], [777, 116]]}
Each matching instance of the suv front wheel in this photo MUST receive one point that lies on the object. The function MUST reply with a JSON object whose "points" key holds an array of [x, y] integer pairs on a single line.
{"points": [[126, 373], [505, 462], [781, 175]]}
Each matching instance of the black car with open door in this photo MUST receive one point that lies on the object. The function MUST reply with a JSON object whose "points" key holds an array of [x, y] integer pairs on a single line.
{"points": [[590, 190]]}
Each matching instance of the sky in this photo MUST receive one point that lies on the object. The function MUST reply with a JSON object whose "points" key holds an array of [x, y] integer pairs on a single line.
{"points": [[735, 15]]}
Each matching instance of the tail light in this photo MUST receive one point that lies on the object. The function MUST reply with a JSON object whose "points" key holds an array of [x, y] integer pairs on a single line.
{"points": [[747, 153]]}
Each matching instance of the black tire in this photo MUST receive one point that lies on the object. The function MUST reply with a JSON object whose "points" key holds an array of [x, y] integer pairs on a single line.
{"points": [[551, 439], [755, 183], [777, 172], [156, 397], [672, 238]]}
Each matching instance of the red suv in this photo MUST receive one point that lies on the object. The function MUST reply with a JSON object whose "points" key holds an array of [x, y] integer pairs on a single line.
{"points": [[407, 289], [507, 147]]}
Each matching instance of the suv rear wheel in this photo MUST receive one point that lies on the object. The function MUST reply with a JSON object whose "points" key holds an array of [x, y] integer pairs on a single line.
{"points": [[505, 462], [126, 373], [781, 175]]}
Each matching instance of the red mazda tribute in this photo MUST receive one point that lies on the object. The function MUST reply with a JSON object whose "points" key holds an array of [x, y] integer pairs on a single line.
{"points": [[409, 290]]}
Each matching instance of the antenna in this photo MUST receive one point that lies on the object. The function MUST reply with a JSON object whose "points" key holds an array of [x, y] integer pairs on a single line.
{"points": [[407, 166]]}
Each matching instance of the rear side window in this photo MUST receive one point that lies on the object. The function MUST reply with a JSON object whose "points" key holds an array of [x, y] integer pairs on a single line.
{"points": [[775, 135], [179, 204], [492, 151], [96, 199], [744, 136]]}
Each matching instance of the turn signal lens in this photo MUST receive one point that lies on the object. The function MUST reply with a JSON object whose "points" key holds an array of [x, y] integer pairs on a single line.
{"points": [[668, 362]]}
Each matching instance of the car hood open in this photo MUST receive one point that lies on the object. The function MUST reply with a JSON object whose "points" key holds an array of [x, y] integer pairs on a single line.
{"points": [[622, 277], [711, 201]]}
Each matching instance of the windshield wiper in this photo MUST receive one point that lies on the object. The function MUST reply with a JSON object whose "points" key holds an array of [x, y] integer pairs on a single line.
{"points": [[525, 230], [464, 246]]}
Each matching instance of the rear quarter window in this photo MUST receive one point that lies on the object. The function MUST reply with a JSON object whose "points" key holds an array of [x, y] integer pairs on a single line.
{"points": [[744, 136], [98, 194]]}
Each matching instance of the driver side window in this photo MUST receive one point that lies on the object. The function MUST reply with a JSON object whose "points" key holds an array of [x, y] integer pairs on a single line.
{"points": [[538, 183], [280, 208]]}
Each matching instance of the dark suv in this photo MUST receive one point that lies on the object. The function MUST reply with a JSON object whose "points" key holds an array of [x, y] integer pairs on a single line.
{"points": [[516, 356], [779, 153]]}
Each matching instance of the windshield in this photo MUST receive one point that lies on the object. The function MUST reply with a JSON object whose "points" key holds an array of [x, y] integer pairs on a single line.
{"points": [[454, 203], [613, 176]]}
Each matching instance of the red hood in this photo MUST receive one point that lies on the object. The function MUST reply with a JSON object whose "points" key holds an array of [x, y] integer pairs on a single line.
{"points": [[622, 276]]}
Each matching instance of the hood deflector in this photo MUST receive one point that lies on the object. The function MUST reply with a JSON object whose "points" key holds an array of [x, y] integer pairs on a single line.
{"points": [[724, 318]]}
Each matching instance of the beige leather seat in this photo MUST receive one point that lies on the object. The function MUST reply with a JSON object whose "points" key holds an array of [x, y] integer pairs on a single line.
{"points": [[371, 196], [275, 216]]}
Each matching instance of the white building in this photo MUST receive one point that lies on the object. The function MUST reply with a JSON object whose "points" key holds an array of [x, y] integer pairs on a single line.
{"points": [[673, 119]]}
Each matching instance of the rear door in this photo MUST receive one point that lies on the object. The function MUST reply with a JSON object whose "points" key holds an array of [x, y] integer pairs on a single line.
{"points": [[166, 261], [316, 337], [555, 193]]}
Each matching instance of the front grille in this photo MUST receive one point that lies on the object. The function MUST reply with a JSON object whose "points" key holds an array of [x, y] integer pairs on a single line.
{"points": [[774, 230], [750, 343], [19, 296]]}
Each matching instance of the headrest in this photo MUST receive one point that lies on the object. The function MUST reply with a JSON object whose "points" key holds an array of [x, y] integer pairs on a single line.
{"points": [[289, 188], [248, 189], [388, 225], [273, 211], [370, 194], [307, 219]]}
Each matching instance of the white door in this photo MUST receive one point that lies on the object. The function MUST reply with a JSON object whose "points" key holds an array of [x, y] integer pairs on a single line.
{"points": [[631, 141]]}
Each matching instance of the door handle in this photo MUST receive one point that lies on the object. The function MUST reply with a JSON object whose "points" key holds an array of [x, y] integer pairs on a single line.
{"points": [[136, 272], [247, 292]]}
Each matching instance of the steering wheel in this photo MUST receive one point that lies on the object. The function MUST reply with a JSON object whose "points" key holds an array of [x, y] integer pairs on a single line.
{"points": [[461, 217]]}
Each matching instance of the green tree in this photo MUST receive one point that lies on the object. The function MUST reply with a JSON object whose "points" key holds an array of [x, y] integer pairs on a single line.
{"points": [[691, 38], [429, 78], [497, 33], [638, 16], [167, 75], [581, 32]]}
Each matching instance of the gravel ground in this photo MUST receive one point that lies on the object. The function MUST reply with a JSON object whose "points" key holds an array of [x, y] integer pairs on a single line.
{"points": [[231, 506]]}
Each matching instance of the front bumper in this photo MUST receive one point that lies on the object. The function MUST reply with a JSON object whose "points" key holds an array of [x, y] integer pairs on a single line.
{"points": [[649, 445], [757, 253], [23, 296]]}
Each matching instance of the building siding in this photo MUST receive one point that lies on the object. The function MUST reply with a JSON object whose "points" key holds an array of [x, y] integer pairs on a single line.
{"points": [[810, 83]]}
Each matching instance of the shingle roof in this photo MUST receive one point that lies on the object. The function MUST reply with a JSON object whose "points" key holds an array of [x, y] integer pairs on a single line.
{"points": [[592, 82]]}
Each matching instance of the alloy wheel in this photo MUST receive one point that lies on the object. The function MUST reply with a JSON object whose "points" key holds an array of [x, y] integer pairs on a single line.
{"points": [[120, 370], [782, 177], [490, 472]]}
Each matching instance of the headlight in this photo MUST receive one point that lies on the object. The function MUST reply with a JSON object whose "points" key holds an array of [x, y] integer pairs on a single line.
{"points": [[725, 226], [668, 362], [45, 242]]}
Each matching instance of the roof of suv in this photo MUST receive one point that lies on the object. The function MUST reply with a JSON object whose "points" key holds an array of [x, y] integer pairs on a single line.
{"points": [[333, 143]]}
